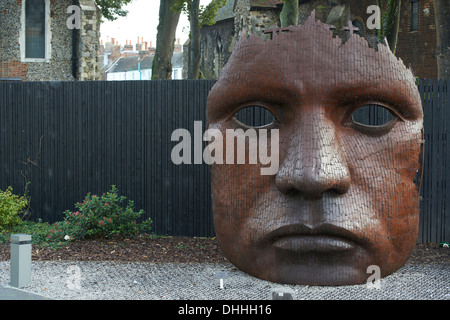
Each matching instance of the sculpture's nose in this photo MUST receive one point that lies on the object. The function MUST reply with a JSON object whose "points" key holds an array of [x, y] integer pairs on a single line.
{"points": [[314, 162]]}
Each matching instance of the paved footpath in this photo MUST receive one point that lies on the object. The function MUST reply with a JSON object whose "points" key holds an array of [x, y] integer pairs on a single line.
{"points": [[9, 293], [149, 281]]}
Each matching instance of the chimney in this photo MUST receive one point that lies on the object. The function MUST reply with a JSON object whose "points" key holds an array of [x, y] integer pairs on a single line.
{"points": [[128, 46], [115, 53], [151, 49], [113, 40], [177, 47], [146, 45]]}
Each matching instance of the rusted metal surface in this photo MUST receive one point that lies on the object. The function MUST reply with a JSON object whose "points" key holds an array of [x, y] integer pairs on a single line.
{"points": [[344, 196]]}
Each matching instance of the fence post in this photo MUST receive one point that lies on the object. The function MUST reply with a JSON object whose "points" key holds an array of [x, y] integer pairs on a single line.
{"points": [[20, 264]]}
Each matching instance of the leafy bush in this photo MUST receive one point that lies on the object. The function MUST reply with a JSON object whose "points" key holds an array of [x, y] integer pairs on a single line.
{"points": [[38, 231], [100, 216], [11, 206], [96, 216]]}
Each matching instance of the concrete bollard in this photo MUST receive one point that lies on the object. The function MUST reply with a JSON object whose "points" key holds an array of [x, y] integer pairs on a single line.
{"points": [[20, 264]]}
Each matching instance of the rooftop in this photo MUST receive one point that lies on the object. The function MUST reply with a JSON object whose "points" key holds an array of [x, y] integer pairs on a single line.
{"points": [[125, 64], [265, 3], [226, 12]]}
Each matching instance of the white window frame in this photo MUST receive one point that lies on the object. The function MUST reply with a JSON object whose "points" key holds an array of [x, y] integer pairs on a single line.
{"points": [[177, 74], [48, 35]]}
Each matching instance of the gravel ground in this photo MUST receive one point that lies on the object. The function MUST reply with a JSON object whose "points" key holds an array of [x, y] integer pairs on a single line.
{"points": [[180, 268], [71, 280]]}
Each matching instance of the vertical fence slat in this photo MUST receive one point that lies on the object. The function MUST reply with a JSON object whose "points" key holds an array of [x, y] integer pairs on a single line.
{"points": [[446, 122], [428, 160], [96, 134], [435, 161], [420, 236], [442, 102]]}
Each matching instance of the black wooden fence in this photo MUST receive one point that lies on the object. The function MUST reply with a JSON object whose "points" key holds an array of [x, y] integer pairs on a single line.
{"points": [[71, 138], [435, 208]]}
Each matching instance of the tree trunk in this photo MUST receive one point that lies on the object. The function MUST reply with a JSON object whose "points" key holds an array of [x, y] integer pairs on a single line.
{"points": [[442, 14], [165, 41], [289, 13], [392, 32], [194, 45]]}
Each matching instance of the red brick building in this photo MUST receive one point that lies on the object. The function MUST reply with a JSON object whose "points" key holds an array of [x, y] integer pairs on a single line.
{"points": [[417, 34]]}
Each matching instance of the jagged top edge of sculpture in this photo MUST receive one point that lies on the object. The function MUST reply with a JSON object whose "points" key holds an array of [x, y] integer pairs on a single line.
{"points": [[312, 24]]}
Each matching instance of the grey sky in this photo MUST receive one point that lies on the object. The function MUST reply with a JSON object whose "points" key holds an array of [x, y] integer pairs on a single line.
{"points": [[142, 21]]}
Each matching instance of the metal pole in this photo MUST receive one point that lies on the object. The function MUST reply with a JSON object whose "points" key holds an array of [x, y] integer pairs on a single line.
{"points": [[20, 264]]}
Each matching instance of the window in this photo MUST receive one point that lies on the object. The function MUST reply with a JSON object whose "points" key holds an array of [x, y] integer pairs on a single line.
{"points": [[35, 37], [176, 75], [35, 29], [414, 15]]}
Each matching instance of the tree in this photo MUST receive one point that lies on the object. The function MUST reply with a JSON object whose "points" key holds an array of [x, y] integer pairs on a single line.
{"points": [[289, 13], [442, 14], [165, 40], [194, 44], [112, 9], [199, 16], [169, 13], [390, 22]]}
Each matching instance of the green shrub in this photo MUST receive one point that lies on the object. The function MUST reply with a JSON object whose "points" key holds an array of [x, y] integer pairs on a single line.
{"points": [[37, 230], [100, 216], [11, 206]]}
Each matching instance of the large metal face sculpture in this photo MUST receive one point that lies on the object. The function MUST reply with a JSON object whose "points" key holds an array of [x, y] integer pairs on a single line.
{"points": [[344, 196]]}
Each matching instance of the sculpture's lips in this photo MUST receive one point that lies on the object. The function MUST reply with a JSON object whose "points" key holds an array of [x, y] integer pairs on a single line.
{"points": [[325, 238], [302, 243]]}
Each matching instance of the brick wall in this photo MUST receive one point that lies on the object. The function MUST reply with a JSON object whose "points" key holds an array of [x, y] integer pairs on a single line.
{"points": [[9, 68], [58, 66], [13, 69], [417, 49]]}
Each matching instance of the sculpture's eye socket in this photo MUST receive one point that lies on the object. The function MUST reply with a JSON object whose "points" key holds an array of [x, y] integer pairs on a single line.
{"points": [[254, 116], [374, 118]]}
